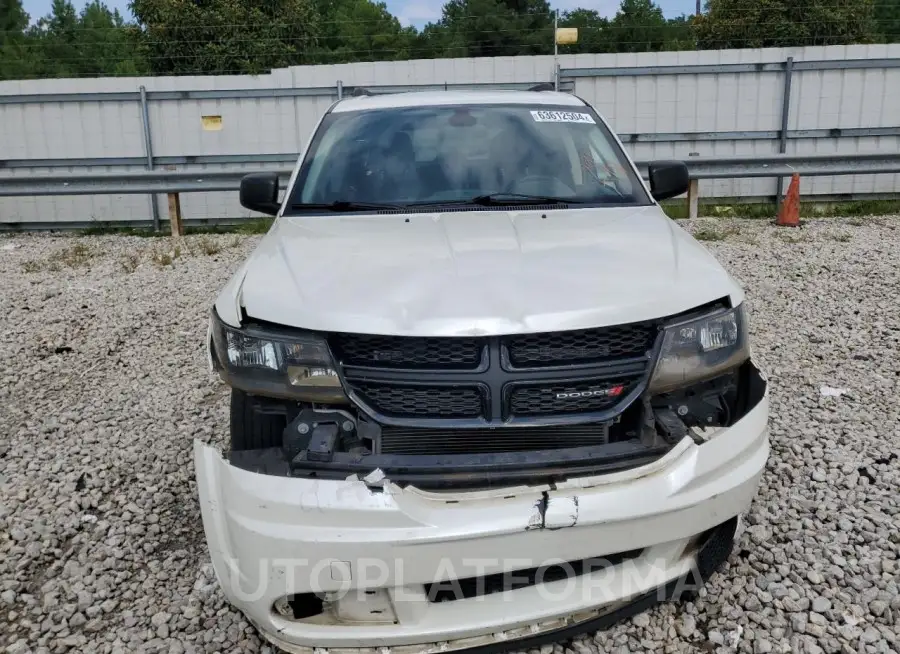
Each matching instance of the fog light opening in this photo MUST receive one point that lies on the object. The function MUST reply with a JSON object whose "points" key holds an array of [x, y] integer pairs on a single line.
{"points": [[299, 606]]}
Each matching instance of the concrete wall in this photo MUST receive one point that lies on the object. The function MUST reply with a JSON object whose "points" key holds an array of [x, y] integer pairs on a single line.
{"points": [[658, 115]]}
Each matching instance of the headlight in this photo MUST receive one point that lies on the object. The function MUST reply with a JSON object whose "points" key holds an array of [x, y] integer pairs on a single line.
{"points": [[701, 348], [273, 364]]}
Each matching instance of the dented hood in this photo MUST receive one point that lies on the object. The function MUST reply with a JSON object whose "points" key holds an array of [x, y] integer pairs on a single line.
{"points": [[474, 272]]}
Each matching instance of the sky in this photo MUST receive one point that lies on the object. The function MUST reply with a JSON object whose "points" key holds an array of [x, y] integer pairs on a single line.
{"points": [[415, 12]]}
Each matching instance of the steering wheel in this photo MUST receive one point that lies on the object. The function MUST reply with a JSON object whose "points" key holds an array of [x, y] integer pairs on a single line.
{"points": [[542, 184]]}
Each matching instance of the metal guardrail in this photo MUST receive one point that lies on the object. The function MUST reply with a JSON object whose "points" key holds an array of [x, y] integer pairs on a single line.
{"points": [[785, 165], [205, 181], [138, 182], [173, 183]]}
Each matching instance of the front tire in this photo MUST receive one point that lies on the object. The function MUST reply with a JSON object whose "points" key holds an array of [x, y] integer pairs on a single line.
{"points": [[252, 429]]}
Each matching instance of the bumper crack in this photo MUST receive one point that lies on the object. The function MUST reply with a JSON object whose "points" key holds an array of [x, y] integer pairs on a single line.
{"points": [[538, 519]]}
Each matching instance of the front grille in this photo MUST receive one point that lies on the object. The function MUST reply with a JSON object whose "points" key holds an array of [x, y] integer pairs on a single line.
{"points": [[407, 351], [421, 401], [409, 381], [427, 441], [582, 346], [581, 397], [459, 589]]}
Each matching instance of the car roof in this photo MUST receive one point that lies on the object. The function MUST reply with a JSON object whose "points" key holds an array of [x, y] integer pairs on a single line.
{"points": [[439, 98]]}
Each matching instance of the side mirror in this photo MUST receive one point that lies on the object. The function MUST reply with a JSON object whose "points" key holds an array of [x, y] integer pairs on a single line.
{"points": [[668, 179], [259, 192]]}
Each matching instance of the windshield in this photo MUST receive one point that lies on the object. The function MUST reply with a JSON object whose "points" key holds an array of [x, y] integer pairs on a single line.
{"points": [[454, 154]]}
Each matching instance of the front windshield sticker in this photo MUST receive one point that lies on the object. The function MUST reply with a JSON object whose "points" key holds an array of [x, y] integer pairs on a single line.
{"points": [[561, 117]]}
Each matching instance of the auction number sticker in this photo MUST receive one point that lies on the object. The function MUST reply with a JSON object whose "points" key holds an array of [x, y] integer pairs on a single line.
{"points": [[561, 117]]}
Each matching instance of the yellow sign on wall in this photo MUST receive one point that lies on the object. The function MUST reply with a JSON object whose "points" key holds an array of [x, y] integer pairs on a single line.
{"points": [[211, 123], [566, 35]]}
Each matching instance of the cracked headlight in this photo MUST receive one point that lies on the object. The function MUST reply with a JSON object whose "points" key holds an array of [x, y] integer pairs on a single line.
{"points": [[700, 348], [275, 363]]}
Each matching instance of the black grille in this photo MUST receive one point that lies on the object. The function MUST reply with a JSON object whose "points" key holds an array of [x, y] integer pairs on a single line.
{"points": [[421, 401], [412, 381], [407, 351], [458, 589], [414, 440], [582, 346], [579, 397]]}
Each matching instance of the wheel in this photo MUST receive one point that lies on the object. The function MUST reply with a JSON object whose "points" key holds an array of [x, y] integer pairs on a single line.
{"points": [[251, 428]]}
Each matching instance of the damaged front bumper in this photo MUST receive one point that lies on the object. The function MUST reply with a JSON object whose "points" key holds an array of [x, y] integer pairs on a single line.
{"points": [[331, 564]]}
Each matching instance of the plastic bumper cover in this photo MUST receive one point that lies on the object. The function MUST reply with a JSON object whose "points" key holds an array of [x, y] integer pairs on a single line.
{"points": [[372, 551]]}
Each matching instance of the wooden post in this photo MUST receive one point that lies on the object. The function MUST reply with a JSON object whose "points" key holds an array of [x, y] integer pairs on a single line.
{"points": [[175, 215], [693, 198]]}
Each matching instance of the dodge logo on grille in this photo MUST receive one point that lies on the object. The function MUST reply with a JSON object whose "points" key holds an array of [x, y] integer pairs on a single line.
{"points": [[612, 391]]}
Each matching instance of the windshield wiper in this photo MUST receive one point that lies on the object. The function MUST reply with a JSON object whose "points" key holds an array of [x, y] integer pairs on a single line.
{"points": [[501, 199], [344, 205]]}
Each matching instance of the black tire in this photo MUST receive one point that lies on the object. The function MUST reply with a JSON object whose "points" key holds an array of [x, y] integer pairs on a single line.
{"points": [[252, 429]]}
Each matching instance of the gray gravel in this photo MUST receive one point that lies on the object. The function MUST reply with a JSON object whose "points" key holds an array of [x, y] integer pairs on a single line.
{"points": [[103, 386]]}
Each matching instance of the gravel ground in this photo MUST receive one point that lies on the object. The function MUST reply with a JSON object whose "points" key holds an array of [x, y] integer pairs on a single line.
{"points": [[103, 386]]}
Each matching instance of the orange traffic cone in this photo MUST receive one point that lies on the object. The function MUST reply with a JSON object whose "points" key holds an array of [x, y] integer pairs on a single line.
{"points": [[789, 214]]}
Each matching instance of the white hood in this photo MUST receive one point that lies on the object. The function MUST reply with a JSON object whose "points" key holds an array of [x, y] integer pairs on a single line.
{"points": [[474, 272]]}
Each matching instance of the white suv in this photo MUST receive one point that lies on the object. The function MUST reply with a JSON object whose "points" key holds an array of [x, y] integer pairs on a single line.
{"points": [[485, 393]]}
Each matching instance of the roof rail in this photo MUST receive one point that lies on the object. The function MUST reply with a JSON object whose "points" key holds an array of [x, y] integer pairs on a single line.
{"points": [[543, 86], [358, 91]]}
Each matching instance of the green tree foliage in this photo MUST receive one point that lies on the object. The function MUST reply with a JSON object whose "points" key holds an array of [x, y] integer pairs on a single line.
{"points": [[227, 36], [13, 53], [489, 28], [593, 32], [680, 34], [361, 30], [887, 20], [774, 23], [13, 20], [639, 26], [255, 36], [94, 42], [67, 43]]}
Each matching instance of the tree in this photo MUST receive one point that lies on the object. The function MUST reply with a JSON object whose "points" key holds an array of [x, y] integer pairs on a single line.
{"points": [[593, 32], [95, 42], [779, 23], [13, 20], [361, 30], [14, 60], [489, 28], [227, 36], [639, 26], [887, 20], [108, 44], [255, 36], [679, 33]]}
